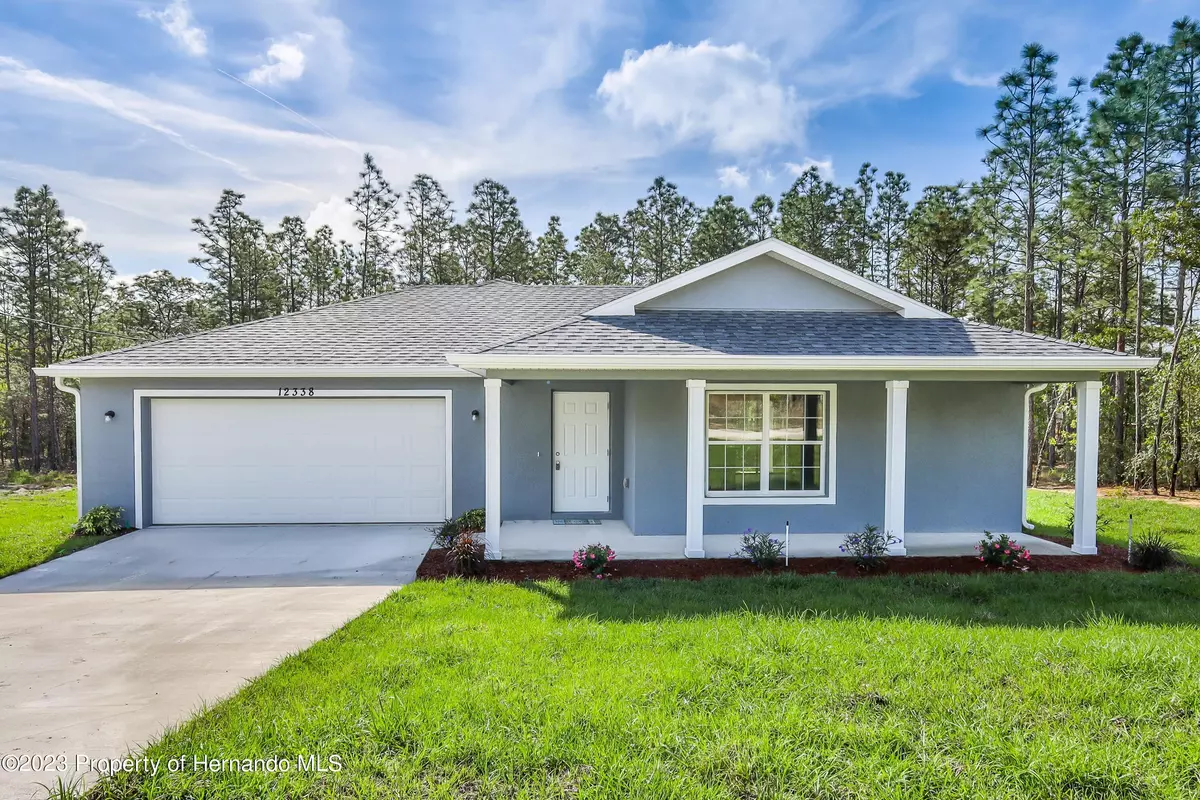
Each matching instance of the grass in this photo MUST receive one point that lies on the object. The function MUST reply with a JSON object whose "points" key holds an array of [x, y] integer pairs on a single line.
{"points": [[994, 685], [1050, 511], [37, 527]]}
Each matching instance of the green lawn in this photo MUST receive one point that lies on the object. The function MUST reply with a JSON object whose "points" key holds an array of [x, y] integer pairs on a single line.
{"points": [[1055, 685], [1050, 511], [36, 528]]}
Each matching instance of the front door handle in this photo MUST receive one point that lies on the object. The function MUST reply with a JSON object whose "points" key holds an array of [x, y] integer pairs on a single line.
{"points": [[557, 465]]}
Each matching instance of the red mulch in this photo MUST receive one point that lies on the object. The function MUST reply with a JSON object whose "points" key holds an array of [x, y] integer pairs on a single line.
{"points": [[434, 567]]}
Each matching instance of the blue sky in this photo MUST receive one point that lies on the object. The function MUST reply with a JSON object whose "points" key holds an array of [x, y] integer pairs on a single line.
{"points": [[139, 112]]}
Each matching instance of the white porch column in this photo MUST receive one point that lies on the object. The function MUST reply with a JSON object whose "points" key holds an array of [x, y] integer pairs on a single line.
{"points": [[895, 458], [696, 425], [1087, 447], [491, 437]]}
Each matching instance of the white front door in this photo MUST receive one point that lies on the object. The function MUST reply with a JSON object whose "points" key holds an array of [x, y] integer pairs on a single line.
{"points": [[581, 445]]}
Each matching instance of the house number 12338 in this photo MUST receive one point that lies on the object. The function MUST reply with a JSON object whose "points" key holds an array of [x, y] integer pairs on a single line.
{"points": [[297, 391]]}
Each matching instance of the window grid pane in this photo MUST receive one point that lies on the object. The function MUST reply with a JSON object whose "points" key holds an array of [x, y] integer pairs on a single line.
{"points": [[794, 437]]}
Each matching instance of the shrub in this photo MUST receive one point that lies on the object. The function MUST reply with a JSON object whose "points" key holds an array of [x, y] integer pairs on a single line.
{"points": [[595, 558], [472, 521], [1153, 552], [467, 554], [869, 549], [101, 521], [20, 477], [761, 549], [1003, 551], [445, 534]]}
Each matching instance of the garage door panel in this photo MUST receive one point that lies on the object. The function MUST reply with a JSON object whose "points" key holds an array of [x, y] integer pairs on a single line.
{"points": [[229, 460]]}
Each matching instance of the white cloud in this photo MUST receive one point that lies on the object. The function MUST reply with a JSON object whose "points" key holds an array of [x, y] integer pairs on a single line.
{"points": [[727, 95], [986, 81], [337, 214], [176, 21], [824, 167], [285, 62], [732, 178]]}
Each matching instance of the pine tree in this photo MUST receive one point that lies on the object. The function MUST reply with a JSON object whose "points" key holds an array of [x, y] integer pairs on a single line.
{"points": [[320, 271], [374, 205], [289, 245], [427, 237], [552, 261], [762, 213], [599, 250], [500, 242], [889, 219], [808, 215], [723, 228]]}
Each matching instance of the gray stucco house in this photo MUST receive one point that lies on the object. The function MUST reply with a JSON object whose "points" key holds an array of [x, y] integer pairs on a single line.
{"points": [[766, 387]]}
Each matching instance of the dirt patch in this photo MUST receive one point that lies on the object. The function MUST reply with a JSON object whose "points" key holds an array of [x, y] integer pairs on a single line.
{"points": [[433, 567], [1183, 497]]}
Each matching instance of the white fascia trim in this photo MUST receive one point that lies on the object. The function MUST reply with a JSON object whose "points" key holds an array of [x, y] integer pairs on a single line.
{"points": [[593, 361], [138, 422], [97, 371], [792, 256]]}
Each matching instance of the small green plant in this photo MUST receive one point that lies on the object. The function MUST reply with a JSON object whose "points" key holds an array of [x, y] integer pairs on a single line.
{"points": [[869, 548], [1003, 551], [19, 477], [467, 554], [761, 549], [101, 521], [1153, 552], [472, 521], [40, 480], [595, 558], [445, 533]]}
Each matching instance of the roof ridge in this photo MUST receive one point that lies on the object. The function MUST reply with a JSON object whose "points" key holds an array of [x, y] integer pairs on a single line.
{"points": [[535, 332]]}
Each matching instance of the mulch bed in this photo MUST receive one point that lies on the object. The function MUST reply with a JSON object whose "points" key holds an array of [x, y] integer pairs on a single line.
{"points": [[433, 567]]}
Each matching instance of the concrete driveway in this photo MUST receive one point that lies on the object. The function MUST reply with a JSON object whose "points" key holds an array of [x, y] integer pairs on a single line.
{"points": [[102, 649]]}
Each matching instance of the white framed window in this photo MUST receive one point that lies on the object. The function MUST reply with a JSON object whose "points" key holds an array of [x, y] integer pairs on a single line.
{"points": [[770, 441]]}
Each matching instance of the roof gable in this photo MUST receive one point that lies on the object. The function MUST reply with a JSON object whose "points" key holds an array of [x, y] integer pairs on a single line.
{"points": [[750, 280]]}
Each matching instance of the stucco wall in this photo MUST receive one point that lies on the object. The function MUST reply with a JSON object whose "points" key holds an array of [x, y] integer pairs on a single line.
{"points": [[764, 283], [964, 462], [964, 452], [656, 425], [526, 446], [107, 463]]}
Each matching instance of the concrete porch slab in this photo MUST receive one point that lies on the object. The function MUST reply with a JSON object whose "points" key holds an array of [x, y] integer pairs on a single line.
{"points": [[542, 540]]}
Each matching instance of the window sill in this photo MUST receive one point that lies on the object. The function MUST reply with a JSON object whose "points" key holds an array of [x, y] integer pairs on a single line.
{"points": [[771, 500]]}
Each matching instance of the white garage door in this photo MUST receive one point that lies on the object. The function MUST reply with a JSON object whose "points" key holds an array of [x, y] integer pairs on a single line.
{"points": [[248, 460]]}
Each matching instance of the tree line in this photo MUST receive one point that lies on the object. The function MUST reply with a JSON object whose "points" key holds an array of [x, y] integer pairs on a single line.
{"points": [[1084, 225]]}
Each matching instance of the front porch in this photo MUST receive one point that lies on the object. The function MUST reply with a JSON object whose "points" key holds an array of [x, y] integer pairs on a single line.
{"points": [[934, 472], [542, 540]]}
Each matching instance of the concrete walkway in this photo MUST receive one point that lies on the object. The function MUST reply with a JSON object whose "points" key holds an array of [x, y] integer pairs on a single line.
{"points": [[102, 649]]}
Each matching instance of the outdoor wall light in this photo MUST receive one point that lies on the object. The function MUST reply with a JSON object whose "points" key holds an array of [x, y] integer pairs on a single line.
{"points": [[109, 416], [475, 416]]}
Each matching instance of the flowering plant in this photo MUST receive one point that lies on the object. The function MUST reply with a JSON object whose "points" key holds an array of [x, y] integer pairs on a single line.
{"points": [[869, 549], [1003, 551], [595, 558], [762, 549]]}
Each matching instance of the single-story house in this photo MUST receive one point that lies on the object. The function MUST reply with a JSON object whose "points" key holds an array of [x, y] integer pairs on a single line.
{"points": [[765, 388]]}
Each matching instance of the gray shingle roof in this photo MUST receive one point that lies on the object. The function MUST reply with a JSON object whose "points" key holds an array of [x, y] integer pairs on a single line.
{"points": [[786, 333], [415, 325], [418, 325]]}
